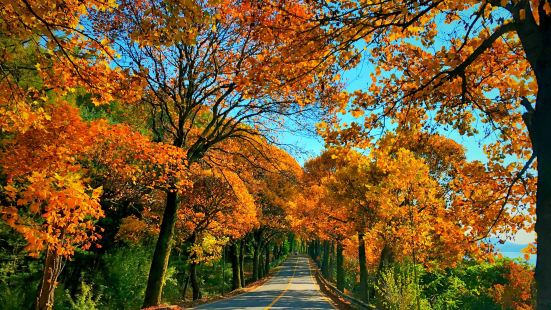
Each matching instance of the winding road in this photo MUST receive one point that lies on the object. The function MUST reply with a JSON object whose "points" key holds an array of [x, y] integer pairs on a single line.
{"points": [[292, 287]]}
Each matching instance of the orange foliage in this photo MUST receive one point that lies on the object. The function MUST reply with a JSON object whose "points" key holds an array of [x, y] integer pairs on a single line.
{"points": [[54, 31], [518, 291], [49, 170], [50, 201], [414, 193]]}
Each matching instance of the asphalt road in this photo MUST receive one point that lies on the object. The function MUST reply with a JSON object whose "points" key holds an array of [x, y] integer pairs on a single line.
{"points": [[293, 287]]}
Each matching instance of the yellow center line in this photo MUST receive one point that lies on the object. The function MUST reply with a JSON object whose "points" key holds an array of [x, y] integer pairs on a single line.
{"points": [[286, 289]]}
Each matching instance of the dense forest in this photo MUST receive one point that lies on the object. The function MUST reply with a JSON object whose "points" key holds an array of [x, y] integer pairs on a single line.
{"points": [[144, 160]]}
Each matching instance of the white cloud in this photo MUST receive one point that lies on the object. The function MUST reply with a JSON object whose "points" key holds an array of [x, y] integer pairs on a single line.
{"points": [[523, 237]]}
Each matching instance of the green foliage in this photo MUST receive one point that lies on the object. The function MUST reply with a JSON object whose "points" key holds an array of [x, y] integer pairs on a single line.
{"points": [[213, 278], [61, 300], [278, 261], [172, 289], [398, 288], [449, 290], [19, 274], [124, 277], [464, 287], [351, 268], [286, 247], [22, 67], [86, 299], [113, 112], [17, 297]]}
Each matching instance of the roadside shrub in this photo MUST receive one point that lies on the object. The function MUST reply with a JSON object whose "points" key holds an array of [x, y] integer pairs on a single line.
{"points": [[397, 288]]}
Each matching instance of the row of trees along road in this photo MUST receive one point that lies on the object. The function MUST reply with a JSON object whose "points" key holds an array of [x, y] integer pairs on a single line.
{"points": [[198, 77], [413, 198], [480, 67]]}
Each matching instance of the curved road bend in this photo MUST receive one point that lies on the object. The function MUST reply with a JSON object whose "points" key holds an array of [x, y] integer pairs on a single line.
{"points": [[293, 287]]}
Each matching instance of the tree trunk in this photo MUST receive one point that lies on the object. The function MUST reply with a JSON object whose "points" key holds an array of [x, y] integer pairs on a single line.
{"points": [[331, 266], [261, 266], [53, 265], [325, 260], [256, 263], [267, 259], [340, 267], [291, 242], [317, 251], [242, 262], [275, 252], [194, 281], [186, 283], [543, 195], [386, 257], [311, 251], [536, 42], [161, 255], [236, 273], [364, 294]]}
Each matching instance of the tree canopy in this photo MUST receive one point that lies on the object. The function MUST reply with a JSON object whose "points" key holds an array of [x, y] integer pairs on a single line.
{"points": [[160, 127]]}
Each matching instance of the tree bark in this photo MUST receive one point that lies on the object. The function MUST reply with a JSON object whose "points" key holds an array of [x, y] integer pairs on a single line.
{"points": [[543, 195], [386, 257], [262, 263], [325, 259], [256, 263], [311, 250], [53, 265], [291, 242], [536, 42], [186, 283], [242, 262], [236, 273], [340, 267], [194, 281], [364, 295], [275, 252], [161, 255], [331, 266], [317, 250], [267, 259]]}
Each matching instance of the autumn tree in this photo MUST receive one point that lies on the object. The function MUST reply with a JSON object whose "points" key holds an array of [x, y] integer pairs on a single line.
{"points": [[313, 212], [207, 80], [482, 196], [272, 177], [46, 56], [218, 208], [49, 197], [518, 292], [46, 197], [381, 194], [466, 63], [412, 196]]}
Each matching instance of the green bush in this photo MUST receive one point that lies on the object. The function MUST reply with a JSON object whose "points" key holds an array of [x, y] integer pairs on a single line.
{"points": [[463, 287], [398, 289], [17, 297], [86, 299], [124, 277], [19, 274]]}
